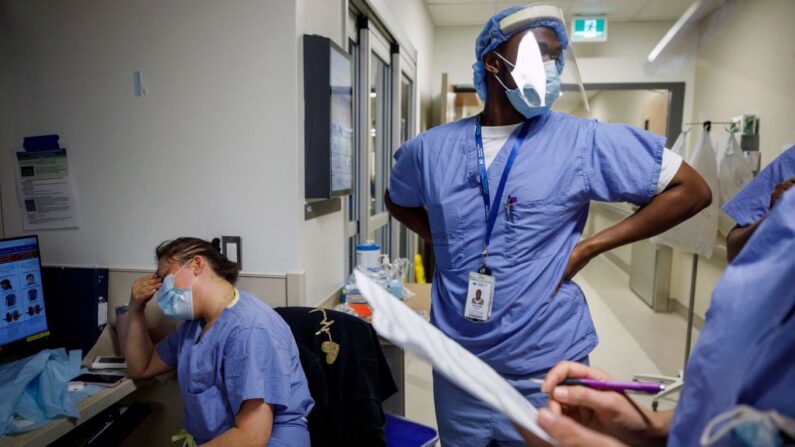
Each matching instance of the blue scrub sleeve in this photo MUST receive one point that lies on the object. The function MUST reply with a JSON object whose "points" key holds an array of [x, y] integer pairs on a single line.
{"points": [[168, 349], [256, 367], [405, 182], [622, 163], [753, 201]]}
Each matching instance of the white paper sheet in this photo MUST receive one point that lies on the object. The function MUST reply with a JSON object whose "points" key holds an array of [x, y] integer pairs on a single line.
{"points": [[396, 322], [46, 190]]}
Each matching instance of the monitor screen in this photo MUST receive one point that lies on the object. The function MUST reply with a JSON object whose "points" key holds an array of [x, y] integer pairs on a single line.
{"points": [[341, 123], [21, 294]]}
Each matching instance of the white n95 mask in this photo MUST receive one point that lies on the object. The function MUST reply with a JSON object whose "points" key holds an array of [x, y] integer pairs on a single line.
{"points": [[537, 82], [174, 302]]}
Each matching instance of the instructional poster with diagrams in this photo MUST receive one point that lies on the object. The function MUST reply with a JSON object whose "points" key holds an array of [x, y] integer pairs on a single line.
{"points": [[46, 190]]}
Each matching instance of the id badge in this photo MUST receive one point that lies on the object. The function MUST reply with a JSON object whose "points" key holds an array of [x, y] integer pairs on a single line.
{"points": [[480, 296]]}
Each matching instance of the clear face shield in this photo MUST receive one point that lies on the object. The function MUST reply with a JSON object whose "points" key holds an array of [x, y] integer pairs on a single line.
{"points": [[537, 56]]}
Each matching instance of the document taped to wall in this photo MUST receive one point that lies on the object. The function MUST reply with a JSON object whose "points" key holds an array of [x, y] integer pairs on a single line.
{"points": [[46, 190]]}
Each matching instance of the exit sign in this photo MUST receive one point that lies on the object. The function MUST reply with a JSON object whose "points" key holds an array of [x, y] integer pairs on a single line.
{"points": [[589, 29]]}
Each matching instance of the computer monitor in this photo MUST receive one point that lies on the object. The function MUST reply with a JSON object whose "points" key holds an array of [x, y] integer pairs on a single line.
{"points": [[23, 319]]}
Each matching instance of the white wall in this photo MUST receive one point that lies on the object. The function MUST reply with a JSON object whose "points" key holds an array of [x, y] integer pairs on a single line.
{"points": [[322, 239], [210, 150], [621, 106], [748, 68], [454, 54]]}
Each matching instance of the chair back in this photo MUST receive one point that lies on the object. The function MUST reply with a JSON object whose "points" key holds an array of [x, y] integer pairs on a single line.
{"points": [[347, 375]]}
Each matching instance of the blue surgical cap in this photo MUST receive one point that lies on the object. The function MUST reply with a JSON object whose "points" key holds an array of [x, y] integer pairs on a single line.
{"points": [[492, 36]]}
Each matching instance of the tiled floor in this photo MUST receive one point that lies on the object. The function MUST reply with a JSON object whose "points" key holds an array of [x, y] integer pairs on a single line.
{"points": [[633, 338]]}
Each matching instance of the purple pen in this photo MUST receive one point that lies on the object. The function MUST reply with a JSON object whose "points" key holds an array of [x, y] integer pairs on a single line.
{"points": [[612, 385]]}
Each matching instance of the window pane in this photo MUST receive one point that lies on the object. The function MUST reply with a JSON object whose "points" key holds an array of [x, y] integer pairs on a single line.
{"points": [[406, 113], [381, 237], [403, 240], [351, 261], [353, 197], [406, 105], [378, 141]]}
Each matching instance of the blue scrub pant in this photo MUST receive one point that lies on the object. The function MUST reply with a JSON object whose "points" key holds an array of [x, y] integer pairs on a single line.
{"points": [[289, 436], [465, 421]]}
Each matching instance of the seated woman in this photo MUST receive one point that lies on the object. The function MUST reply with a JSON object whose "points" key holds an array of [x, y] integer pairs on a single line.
{"points": [[237, 362]]}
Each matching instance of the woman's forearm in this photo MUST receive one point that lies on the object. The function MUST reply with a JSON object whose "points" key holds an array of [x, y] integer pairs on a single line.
{"points": [[139, 345], [237, 437], [253, 426]]}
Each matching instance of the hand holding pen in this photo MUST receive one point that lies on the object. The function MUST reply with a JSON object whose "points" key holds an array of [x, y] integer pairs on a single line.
{"points": [[581, 409]]}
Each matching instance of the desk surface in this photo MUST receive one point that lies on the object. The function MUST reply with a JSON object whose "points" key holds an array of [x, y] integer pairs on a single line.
{"points": [[61, 426], [422, 297]]}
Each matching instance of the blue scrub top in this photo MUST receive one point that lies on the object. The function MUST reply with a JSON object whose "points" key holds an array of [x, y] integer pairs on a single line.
{"points": [[564, 163], [249, 353], [753, 201], [746, 351]]}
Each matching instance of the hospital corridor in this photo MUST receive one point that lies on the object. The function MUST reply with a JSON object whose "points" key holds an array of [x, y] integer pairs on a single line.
{"points": [[397, 223]]}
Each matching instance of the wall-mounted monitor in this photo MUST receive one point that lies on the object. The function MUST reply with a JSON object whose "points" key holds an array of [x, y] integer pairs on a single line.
{"points": [[328, 119]]}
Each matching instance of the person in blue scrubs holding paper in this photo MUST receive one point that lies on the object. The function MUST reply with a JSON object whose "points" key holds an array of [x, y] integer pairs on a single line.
{"points": [[503, 198], [237, 362], [750, 206], [742, 366]]}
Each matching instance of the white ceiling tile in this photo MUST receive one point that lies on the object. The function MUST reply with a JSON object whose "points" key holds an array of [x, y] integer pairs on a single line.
{"points": [[620, 10], [563, 4], [663, 9], [461, 14], [447, 2], [476, 12], [510, 4]]}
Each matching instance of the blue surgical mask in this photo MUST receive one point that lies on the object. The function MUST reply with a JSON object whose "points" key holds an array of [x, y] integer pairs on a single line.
{"points": [[174, 302], [553, 82], [525, 98]]}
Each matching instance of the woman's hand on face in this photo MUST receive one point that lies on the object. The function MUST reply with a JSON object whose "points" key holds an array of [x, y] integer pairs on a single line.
{"points": [[605, 412], [143, 289]]}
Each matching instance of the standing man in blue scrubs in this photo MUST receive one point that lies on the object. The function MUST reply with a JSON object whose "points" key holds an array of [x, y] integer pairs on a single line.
{"points": [[504, 198], [750, 206]]}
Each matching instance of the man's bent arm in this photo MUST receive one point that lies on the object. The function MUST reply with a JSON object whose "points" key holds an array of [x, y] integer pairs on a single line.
{"points": [[416, 219], [686, 195]]}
